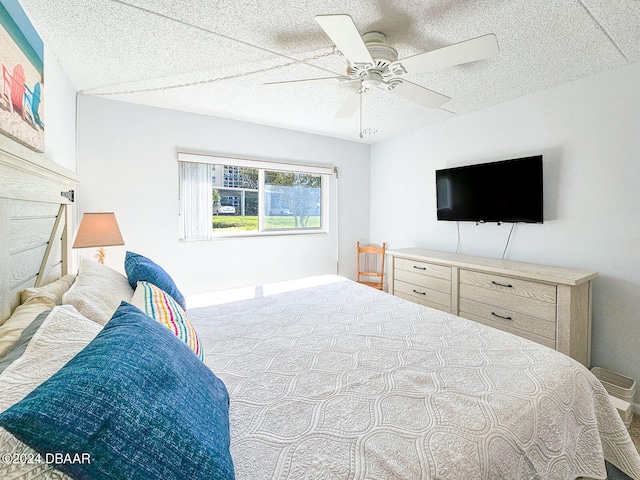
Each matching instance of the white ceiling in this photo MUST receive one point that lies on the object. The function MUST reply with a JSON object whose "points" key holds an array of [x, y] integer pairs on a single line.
{"points": [[213, 56]]}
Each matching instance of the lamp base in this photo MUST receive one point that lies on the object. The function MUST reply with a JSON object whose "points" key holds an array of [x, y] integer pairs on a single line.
{"points": [[101, 255]]}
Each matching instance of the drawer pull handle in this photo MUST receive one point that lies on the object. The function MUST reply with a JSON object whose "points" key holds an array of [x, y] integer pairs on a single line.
{"points": [[419, 268], [419, 293], [500, 316], [501, 284]]}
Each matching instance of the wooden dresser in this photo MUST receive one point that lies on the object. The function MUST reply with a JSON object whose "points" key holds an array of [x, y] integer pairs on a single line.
{"points": [[549, 305]]}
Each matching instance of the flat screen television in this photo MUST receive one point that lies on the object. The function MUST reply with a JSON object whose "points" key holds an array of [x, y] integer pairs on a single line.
{"points": [[505, 191]]}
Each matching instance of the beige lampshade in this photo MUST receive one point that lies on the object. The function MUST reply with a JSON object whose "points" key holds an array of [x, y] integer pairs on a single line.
{"points": [[98, 230]]}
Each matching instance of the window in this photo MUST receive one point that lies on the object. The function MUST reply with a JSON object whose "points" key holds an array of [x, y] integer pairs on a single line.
{"points": [[222, 196]]}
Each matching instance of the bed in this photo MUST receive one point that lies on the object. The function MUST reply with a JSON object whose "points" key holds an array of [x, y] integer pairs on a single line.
{"points": [[332, 379], [319, 378]]}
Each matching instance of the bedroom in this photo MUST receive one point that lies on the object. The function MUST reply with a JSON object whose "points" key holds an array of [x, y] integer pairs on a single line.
{"points": [[586, 128]]}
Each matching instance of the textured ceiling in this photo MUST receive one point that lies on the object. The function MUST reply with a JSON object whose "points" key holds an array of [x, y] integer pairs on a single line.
{"points": [[213, 56]]}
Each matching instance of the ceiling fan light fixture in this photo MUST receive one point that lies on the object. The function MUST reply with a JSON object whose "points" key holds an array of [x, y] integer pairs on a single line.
{"points": [[371, 79]]}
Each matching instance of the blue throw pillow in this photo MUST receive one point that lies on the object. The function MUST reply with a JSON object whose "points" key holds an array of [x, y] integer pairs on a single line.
{"points": [[135, 403], [141, 269]]}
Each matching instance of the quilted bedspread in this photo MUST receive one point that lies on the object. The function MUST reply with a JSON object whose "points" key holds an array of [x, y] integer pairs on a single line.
{"points": [[341, 381]]}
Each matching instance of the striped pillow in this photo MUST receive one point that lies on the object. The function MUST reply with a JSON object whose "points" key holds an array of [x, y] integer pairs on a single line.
{"points": [[159, 305]]}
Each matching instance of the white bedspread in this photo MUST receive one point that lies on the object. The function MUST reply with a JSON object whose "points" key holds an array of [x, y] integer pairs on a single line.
{"points": [[341, 381]]}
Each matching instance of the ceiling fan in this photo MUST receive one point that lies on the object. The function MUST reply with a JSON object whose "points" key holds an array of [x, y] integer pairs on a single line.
{"points": [[373, 63]]}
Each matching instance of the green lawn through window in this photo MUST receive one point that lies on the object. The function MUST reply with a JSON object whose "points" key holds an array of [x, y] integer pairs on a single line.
{"points": [[249, 223]]}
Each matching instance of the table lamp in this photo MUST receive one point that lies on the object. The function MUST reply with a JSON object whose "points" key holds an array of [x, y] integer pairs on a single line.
{"points": [[98, 230]]}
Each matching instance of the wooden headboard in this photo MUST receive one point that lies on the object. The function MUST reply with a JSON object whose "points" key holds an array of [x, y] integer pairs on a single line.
{"points": [[34, 216]]}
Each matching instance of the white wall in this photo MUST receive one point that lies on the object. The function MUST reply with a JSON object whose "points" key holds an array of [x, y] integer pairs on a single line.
{"points": [[127, 164], [589, 134], [59, 105]]}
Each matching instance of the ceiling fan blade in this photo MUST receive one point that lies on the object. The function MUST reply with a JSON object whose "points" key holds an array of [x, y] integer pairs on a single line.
{"points": [[350, 105], [311, 80], [419, 94], [471, 50], [345, 36]]}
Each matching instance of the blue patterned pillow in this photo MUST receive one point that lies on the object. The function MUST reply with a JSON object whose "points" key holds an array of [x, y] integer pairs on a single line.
{"points": [[141, 269], [135, 403]]}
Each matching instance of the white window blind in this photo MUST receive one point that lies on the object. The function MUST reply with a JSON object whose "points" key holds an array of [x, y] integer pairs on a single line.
{"points": [[196, 208]]}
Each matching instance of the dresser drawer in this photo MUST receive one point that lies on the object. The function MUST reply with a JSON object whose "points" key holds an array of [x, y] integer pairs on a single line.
{"points": [[424, 283], [510, 286], [529, 306], [516, 322], [523, 296], [547, 342], [418, 271], [424, 296]]}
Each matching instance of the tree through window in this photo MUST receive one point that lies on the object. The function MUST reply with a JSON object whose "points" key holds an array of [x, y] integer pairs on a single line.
{"points": [[296, 196]]}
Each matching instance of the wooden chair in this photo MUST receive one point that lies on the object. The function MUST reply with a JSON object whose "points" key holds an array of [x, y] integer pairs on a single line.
{"points": [[370, 265]]}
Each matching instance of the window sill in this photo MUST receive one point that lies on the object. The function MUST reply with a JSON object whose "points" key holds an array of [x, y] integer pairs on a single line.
{"points": [[271, 233]]}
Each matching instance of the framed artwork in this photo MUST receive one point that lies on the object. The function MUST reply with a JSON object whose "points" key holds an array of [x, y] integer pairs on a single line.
{"points": [[22, 64]]}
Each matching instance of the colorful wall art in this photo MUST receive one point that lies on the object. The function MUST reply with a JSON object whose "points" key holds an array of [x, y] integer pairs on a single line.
{"points": [[22, 64]]}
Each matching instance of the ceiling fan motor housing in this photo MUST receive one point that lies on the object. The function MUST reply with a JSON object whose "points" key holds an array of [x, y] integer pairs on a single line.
{"points": [[381, 52], [383, 55]]}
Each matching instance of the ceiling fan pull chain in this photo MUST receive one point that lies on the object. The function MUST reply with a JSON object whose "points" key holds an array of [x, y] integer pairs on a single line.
{"points": [[361, 108]]}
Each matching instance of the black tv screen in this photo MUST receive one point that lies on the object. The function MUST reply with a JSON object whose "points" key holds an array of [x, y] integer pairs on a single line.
{"points": [[505, 191]]}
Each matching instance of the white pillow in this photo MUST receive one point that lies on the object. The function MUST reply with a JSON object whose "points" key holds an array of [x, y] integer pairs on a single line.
{"points": [[62, 335], [21, 317], [56, 288], [97, 291]]}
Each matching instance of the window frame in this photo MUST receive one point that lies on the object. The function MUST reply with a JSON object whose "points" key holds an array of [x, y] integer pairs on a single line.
{"points": [[325, 172]]}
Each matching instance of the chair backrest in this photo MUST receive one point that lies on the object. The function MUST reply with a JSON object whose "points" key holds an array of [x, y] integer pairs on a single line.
{"points": [[36, 96], [370, 264], [17, 86]]}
